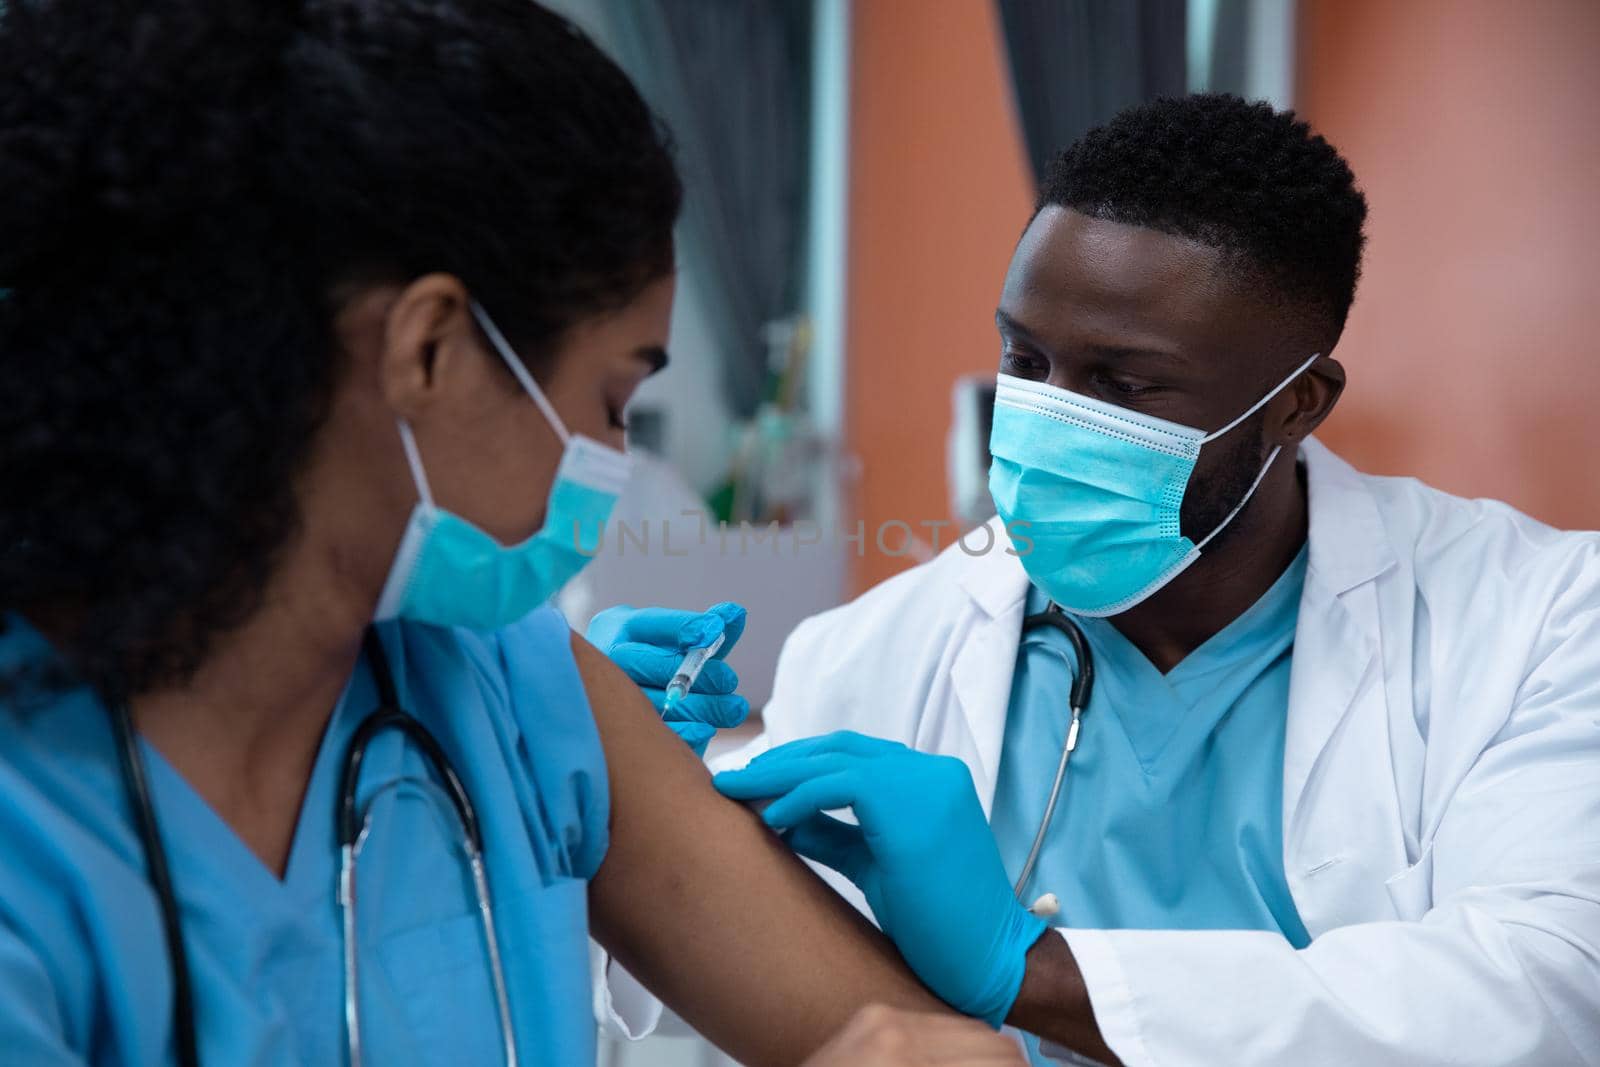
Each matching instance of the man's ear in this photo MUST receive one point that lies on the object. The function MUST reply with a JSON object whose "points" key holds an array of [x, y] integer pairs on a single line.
{"points": [[1315, 392], [429, 338]]}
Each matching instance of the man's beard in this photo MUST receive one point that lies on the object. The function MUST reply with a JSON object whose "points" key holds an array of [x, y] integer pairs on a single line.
{"points": [[1207, 504]]}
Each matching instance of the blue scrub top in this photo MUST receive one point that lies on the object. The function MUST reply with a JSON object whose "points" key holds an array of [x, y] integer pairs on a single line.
{"points": [[1171, 815], [84, 976]]}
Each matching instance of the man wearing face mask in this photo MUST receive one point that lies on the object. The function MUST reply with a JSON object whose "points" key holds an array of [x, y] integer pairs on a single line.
{"points": [[1334, 797]]}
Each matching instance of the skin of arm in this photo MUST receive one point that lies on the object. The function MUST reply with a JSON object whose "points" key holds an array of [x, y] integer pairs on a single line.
{"points": [[884, 1037], [1054, 1001], [712, 911]]}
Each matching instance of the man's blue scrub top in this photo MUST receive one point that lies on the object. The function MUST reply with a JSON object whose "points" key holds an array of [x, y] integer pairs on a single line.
{"points": [[1171, 813]]}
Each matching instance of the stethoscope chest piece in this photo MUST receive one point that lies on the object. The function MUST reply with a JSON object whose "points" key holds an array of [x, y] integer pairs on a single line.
{"points": [[1047, 906]]}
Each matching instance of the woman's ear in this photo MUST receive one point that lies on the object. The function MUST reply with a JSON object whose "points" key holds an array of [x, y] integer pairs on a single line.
{"points": [[430, 344]]}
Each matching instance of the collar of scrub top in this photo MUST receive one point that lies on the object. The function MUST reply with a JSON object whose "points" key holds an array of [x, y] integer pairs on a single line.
{"points": [[350, 825]]}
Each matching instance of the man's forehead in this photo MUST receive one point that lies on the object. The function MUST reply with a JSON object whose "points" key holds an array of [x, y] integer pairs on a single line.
{"points": [[1071, 269], [1071, 248]]}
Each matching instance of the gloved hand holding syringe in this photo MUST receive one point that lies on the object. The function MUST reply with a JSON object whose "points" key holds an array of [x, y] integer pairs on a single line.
{"points": [[694, 662], [685, 652]]}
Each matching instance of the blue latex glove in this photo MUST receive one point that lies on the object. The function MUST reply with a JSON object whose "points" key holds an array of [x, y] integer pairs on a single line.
{"points": [[649, 643], [923, 854]]}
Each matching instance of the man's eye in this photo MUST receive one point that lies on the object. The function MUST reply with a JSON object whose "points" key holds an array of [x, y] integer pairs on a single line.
{"points": [[1023, 364], [1123, 387]]}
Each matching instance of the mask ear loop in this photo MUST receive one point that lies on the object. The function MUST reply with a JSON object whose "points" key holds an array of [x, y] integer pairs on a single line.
{"points": [[1259, 404], [408, 441], [1265, 467], [531, 387], [1223, 525]]}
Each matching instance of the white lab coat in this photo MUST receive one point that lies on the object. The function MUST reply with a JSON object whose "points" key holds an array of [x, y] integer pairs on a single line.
{"points": [[1441, 787]]}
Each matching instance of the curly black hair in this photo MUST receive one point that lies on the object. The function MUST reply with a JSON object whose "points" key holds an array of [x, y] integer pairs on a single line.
{"points": [[1253, 182], [186, 188]]}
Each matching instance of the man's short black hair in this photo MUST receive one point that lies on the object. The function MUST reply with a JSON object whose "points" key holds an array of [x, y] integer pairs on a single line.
{"points": [[1254, 182]]}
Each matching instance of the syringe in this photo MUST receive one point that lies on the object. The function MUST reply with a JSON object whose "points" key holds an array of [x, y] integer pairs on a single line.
{"points": [[693, 663]]}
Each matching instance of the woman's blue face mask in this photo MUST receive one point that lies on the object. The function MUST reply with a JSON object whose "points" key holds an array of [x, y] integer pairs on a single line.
{"points": [[450, 572], [1097, 490]]}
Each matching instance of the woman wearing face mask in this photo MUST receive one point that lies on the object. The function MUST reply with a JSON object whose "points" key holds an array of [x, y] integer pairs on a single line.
{"points": [[317, 326]]}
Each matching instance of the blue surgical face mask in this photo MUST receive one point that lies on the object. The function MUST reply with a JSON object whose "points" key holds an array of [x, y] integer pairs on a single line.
{"points": [[451, 573], [1094, 492]]}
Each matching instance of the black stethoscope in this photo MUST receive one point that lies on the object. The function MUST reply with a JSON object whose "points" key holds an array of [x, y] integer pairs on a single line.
{"points": [[1077, 703], [352, 823]]}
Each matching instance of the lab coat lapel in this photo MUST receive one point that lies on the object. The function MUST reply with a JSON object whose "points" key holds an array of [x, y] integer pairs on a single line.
{"points": [[1334, 653], [985, 656], [1337, 676]]}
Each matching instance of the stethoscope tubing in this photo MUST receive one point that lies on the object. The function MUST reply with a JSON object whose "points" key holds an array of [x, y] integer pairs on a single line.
{"points": [[155, 857], [1077, 703]]}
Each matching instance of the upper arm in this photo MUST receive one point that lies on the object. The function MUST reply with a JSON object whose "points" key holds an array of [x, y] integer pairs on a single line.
{"points": [[714, 913]]}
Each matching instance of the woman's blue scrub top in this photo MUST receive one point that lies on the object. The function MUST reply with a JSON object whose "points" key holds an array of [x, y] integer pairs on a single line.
{"points": [[84, 974]]}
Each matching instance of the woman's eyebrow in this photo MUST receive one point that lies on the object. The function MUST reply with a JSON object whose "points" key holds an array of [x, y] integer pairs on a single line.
{"points": [[655, 356]]}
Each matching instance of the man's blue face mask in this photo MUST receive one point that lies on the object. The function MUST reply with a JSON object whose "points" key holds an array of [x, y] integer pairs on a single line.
{"points": [[1098, 489], [451, 573]]}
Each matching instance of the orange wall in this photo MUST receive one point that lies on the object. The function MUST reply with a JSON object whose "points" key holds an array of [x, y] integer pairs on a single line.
{"points": [[939, 193], [1474, 344]]}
